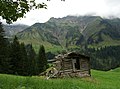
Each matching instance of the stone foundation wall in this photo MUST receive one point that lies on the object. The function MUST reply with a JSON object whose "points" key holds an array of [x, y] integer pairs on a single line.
{"points": [[74, 74]]}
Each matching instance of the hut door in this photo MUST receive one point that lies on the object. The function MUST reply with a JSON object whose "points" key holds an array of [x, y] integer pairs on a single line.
{"points": [[77, 64]]}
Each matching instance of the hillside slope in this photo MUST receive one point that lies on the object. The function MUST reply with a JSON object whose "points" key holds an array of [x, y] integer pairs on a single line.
{"points": [[73, 31], [98, 80]]}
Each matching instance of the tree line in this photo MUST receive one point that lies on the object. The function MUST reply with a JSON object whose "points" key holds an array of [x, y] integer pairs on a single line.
{"points": [[20, 59], [104, 58]]}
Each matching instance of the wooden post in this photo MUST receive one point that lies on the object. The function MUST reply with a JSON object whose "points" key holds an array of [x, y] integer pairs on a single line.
{"points": [[73, 64]]}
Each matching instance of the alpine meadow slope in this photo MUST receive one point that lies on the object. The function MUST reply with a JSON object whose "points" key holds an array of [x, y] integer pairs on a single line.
{"points": [[98, 80]]}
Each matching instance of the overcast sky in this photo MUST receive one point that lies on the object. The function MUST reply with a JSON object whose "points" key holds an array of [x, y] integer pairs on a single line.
{"points": [[58, 8]]}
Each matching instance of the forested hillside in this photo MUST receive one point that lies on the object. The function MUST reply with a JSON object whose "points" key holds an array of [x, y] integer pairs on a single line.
{"points": [[104, 58]]}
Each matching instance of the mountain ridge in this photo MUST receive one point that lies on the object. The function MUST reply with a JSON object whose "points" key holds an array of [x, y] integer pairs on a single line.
{"points": [[11, 30], [73, 31]]}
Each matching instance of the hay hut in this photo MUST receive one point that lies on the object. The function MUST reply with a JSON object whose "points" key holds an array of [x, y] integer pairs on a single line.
{"points": [[72, 64]]}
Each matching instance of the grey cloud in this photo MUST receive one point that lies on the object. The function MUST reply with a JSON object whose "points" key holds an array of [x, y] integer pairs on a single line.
{"points": [[112, 2]]}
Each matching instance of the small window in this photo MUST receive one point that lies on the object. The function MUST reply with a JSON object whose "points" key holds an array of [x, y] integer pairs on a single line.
{"points": [[84, 65]]}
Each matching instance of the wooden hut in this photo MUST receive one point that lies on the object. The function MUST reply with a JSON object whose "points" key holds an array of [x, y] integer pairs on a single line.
{"points": [[72, 64]]}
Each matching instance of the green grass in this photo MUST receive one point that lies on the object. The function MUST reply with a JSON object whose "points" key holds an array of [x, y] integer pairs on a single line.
{"points": [[53, 48], [107, 42], [99, 80], [48, 46]]}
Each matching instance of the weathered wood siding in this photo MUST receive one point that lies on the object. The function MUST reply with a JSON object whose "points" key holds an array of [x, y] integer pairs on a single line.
{"points": [[84, 64], [57, 65], [67, 64]]}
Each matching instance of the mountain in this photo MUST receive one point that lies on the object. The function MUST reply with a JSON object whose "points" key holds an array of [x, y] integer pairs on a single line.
{"points": [[73, 31], [104, 33], [11, 30]]}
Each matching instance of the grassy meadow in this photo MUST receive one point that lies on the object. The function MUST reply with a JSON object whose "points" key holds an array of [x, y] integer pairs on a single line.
{"points": [[98, 80]]}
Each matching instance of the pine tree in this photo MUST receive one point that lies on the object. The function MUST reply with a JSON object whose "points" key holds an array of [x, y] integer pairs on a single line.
{"points": [[15, 55], [1, 45], [23, 62], [42, 60], [4, 55], [31, 55]]}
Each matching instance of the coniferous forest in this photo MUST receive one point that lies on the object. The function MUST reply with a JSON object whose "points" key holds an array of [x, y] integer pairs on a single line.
{"points": [[104, 58], [20, 59]]}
